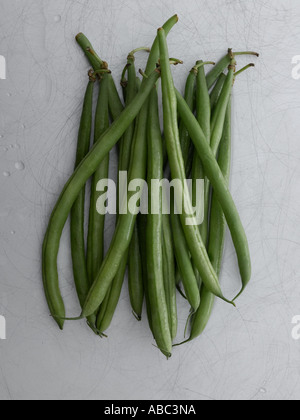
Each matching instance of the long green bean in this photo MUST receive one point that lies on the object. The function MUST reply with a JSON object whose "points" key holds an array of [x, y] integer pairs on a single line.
{"points": [[78, 248], [95, 250], [160, 315], [217, 234], [222, 192], [70, 193], [192, 233]]}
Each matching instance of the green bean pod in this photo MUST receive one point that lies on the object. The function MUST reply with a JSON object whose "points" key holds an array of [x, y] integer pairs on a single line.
{"points": [[115, 104], [217, 234], [135, 276], [215, 94], [192, 234], [111, 300], [218, 118], [216, 72], [70, 193], [126, 222], [185, 139], [77, 219], [114, 292], [109, 305], [160, 317], [142, 228], [203, 117], [95, 249], [170, 275], [221, 189], [184, 262]]}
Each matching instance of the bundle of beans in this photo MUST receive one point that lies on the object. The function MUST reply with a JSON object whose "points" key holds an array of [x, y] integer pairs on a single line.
{"points": [[163, 252]]}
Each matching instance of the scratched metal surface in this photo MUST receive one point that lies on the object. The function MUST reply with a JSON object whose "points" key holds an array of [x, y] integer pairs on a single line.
{"points": [[246, 353]]}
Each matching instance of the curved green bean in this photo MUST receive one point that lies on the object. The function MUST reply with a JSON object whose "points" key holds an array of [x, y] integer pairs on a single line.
{"points": [[221, 189], [135, 276], [109, 305], [215, 73], [185, 139], [215, 94], [217, 234], [78, 250], [142, 228], [192, 234], [203, 117], [126, 222], [170, 275], [95, 249], [183, 258], [218, 118], [160, 316], [70, 193]]}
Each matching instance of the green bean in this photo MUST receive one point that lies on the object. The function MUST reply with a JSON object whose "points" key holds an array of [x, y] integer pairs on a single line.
{"points": [[160, 316], [109, 305], [125, 226], [111, 300], [192, 234], [203, 117], [90, 53], [222, 192], [124, 162], [142, 228], [189, 97], [126, 222], [217, 234], [115, 104], [183, 259], [214, 74], [81, 278], [178, 279], [95, 250], [70, 193], [215, 94], [218, 119], [180, 245], [135, 276], [131, 91], [169, 275], [154, 55]]}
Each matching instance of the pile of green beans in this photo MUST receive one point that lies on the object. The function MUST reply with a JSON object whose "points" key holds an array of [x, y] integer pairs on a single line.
{"points": [[163, 253]]}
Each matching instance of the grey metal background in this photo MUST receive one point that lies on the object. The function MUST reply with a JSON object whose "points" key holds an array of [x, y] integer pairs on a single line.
{"points": [[247, 353]]}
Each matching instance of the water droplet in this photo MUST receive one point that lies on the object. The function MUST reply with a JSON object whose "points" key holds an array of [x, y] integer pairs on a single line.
{"points": [[13, 232], [263, 391], [1, 136], [9, 94], [6, 174], [5, 149], [57, 19], [11, 146], [23, 126], [20, 166]]}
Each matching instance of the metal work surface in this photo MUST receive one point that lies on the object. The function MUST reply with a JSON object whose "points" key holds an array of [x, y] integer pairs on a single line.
{"points": [[246, 353]]}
